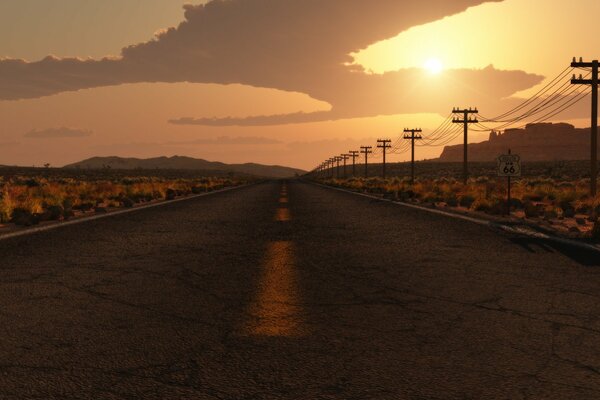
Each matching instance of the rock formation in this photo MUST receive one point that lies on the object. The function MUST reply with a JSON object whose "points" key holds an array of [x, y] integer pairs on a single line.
{"points": [[537, 142]]}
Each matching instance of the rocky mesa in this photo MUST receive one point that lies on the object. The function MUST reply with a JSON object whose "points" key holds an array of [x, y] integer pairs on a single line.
{"points": [[536, 142]]}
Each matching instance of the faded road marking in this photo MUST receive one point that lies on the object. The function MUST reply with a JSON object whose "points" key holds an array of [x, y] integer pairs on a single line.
{"points": [[283, 200], [275, 312]]}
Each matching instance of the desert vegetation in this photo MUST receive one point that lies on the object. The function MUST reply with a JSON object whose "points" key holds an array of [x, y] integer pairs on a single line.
{"points": [[559, 204], [28, 197]]}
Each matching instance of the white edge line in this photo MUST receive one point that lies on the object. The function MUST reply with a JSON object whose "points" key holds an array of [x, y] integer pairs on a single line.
{"points": [[491, 224], [30, 231]]}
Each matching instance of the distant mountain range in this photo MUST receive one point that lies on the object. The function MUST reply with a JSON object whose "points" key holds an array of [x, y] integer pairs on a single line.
{"points": [[537, 142], [186, 163]]}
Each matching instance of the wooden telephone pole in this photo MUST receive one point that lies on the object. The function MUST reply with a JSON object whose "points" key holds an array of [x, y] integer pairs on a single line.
{"points": [[594, 126], [366, 150], [345, 157], [412, 137], [384, 144], [466, 120], [353, 154], [331, 163], [337, 170]]}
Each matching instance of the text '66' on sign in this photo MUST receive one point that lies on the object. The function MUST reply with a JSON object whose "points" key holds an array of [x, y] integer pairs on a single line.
{"points": [[509, 165]]}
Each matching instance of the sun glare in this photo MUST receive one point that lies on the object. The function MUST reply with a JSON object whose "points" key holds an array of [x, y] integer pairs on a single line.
{"points": [[434, 66]]}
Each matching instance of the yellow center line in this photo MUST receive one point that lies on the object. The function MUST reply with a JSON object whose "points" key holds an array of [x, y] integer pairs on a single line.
{"points": [[275, 311], [283, 215]]}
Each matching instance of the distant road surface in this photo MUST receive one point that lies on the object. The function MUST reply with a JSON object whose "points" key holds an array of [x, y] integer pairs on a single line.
{"points": [[295, 291]]}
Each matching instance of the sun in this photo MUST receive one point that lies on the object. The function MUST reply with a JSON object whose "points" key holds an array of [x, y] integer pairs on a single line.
{"points": [[434, 66]]}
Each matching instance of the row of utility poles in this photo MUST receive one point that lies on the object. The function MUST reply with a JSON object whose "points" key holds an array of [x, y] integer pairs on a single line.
{"points": [[467, 117], [326, 168]]}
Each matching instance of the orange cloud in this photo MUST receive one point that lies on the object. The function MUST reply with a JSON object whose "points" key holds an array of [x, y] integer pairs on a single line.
{"points": [[300, 46]]}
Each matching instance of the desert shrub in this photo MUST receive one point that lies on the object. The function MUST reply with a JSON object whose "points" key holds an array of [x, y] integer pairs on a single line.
{"points": [[406, 195], [481, 205], [595, 233], [53, 213], [516, 203], [531, 210], [84, 206], [568, 211], [451, 199], [32, 183], [466, 201], [127, 202], [497, 206], [550, 212], [170, 194], [22, 216]]}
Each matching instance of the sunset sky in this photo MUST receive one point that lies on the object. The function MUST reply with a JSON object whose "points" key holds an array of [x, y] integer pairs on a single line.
{"points": [[286, 82]]}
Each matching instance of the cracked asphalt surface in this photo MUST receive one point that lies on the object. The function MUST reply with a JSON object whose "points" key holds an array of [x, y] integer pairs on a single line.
{"points": [[338, 297]]}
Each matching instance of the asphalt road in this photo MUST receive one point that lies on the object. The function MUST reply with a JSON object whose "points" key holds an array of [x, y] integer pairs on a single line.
{"points": [[294, 291]]}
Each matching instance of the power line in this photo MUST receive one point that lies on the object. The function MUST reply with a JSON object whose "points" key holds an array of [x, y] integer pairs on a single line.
{"points": [[563, 74]]}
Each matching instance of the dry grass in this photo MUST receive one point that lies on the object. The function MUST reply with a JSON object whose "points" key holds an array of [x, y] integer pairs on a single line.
{"points": [[546, 195], [26, 199]]}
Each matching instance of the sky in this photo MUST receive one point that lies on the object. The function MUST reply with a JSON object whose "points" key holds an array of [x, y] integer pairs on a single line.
{"points": [[287, 82]]}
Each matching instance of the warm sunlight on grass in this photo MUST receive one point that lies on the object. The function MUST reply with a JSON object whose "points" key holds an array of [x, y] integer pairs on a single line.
{"points": [[29, 200]]}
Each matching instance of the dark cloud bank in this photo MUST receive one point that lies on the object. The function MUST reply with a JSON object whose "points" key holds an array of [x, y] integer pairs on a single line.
{"points": [[291, 45]]}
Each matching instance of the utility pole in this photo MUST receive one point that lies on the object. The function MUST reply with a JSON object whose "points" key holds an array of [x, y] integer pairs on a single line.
{"points": [[345, 158], [384, 144], [337, 170], [466, 120], [353, 154], [594, 126], [412, 137], [366, 150], [330, 167]]}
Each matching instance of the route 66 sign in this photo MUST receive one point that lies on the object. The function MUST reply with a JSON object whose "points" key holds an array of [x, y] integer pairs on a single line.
{"points": [[509, 165]]}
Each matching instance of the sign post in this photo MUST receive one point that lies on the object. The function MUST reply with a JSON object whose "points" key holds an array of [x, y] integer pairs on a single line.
{"points": [[509, 165]]}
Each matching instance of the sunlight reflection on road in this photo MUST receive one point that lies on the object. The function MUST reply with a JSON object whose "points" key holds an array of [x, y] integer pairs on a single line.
{"points": [[275, 311], [283, 215]]}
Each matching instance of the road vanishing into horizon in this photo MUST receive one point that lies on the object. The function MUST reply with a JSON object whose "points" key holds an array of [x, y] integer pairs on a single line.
{"points": [[288, 290]]}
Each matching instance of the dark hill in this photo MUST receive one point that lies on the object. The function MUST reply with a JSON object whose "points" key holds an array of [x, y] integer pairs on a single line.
{"points": [[185, 163], [537, 142]]}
